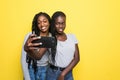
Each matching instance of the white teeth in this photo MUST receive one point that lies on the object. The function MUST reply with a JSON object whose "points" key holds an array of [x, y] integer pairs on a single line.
{"points": [[43, 27], [60, 30]]}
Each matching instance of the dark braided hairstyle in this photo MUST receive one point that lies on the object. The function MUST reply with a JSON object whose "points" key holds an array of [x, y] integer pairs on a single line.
{"points": [[34, 22], [53, 30]]}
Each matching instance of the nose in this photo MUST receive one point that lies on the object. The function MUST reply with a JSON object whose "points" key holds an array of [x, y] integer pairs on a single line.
{"points": [[60, 25], [42, 23]]}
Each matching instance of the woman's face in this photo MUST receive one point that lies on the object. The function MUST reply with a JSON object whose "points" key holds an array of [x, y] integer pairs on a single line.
{"points": [[43, 23], [60, 24]]}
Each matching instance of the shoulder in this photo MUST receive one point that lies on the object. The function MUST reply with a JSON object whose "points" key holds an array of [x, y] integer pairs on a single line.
{"points": [[27, 35], [72, 37]]}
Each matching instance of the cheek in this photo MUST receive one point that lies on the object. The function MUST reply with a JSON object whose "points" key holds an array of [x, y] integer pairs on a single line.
{"points": [[64, 27], [47, 24], [38, 25], [56, 26]]}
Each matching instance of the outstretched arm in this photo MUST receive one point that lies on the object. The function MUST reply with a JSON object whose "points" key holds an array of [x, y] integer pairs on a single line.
{"points": [[32, 51]]}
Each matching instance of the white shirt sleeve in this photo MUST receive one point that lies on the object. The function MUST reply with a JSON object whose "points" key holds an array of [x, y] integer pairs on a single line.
{"points": [[74, 38], [24, 63]]}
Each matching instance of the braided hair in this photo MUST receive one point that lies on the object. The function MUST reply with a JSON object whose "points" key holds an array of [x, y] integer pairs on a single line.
{"points": [[53, 30]]}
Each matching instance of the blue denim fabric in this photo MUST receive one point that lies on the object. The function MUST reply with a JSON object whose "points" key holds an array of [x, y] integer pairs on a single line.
{"points": [[31, 72], [54, 74], [40, 73]]}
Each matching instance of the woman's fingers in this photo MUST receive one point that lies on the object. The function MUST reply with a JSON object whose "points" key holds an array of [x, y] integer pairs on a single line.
{"points": [[32, 35], [34, 38], [34, 44], [30, 45]]}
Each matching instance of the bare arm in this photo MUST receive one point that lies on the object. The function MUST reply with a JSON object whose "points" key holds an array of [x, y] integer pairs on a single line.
{"points": [[72, 64], [37, 53]]}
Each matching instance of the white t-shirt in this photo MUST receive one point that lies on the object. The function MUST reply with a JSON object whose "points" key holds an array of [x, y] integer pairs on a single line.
{"points": [[65, 51]]}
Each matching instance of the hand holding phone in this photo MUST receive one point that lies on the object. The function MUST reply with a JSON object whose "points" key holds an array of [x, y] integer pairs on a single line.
{"points": [[46, 42]]}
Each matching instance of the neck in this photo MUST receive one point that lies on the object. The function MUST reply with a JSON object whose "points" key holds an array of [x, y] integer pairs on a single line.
{"points": [[61, 37], [60, 34]]}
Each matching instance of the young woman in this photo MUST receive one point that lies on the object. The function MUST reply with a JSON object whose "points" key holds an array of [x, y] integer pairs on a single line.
{"points": [[37, 58], [67, 51]]}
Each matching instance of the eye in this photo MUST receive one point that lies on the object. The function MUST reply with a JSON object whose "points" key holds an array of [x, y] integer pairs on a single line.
{"points": [[57, 23], [63, 23], [60, 23], [38, 23], [45, 21]]}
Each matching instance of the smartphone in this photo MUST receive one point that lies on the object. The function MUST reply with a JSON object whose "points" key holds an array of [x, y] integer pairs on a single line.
{"points": [[47, 42]]}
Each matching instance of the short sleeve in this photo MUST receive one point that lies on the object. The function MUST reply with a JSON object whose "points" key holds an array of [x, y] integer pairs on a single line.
{"points": [[74, 38]]}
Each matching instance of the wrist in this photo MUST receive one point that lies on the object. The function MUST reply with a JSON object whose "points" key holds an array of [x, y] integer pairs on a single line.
{"points": [[36, 51], [62, 74]]}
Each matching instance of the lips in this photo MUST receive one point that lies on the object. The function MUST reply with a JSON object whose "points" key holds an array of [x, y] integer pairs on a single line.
{"points": [[43, 28], [60, 30]]}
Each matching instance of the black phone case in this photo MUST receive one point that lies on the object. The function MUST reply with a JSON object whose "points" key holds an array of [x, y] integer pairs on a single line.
{"points": [[47, 42]]}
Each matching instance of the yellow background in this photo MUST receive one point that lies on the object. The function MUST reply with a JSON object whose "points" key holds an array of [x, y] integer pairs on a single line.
{"points": [[96, 24]]}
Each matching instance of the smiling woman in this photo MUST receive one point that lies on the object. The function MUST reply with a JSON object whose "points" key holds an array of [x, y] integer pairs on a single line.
{"points": [[36, 57], [67, 57]]}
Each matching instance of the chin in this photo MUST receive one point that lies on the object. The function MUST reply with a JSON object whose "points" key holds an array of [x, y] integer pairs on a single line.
{"points": [[43, 31], [60, 33]]}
